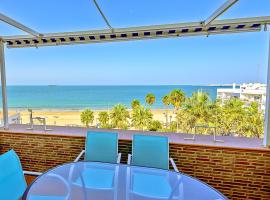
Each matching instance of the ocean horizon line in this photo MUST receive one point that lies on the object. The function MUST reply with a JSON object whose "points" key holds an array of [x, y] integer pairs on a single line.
{"points": [[94, 97]]}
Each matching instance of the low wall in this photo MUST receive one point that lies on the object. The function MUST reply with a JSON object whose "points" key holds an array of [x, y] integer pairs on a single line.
{"points": [[239, 173]]}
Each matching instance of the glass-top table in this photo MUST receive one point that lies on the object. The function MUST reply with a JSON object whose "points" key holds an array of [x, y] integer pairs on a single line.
{"points": [[104, 181]]}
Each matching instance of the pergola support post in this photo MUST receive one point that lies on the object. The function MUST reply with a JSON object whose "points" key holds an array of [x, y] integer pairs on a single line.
{"points": [[266, 140], [3, 85]]}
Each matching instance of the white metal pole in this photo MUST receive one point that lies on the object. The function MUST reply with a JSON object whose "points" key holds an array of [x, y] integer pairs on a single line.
{"points": [[266, 140], [3, 85]]}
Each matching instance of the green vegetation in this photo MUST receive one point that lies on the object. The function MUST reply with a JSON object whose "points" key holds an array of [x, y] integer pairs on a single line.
{"points": [[166, 103], [87, 117], [119, 116], [177, 98], [150, 99], [166, 100], [135, 103], [104, 119], [155, 125], [141, 117], [254, 121], [197, 109], [232, 117]]}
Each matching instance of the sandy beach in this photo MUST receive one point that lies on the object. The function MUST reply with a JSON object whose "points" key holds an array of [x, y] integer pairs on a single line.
{"points": [[72, 117]]}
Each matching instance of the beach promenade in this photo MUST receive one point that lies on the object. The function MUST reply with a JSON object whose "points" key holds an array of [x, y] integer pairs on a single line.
{"points": [[72, 117]]}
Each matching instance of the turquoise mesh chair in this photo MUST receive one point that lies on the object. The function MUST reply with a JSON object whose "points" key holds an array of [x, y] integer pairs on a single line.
{"points": [[12, 180], [101, 147], [151, 151]]}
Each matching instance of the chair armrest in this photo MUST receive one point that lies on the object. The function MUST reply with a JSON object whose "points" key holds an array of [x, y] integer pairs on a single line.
{"points": [[79, 156], [174, 165], [119, 158], [32, 173], [129, 159]]}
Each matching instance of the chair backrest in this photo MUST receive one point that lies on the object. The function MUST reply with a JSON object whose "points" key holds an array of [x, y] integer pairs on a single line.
{"points": [[150, 151], [101, 147], [12, 181]]}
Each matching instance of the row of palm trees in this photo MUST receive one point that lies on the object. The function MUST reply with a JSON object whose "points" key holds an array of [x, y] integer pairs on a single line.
{"points": [[232, 117]]}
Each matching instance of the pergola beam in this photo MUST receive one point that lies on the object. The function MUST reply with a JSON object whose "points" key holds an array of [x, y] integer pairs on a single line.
{"points": [[219, 11], [139, 33], [18, 25], [103, 15]]}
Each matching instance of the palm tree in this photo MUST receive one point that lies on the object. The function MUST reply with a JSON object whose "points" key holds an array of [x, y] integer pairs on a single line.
{"points": [[232, 117], [119, 116], [87, 117], [198, 108], [185, 121], [150, 99], [103, 118], [135, 103], [198, 105], [216, 115], [253, 123], [141, 117], [176, 98], [166, 100], [166, 103]]}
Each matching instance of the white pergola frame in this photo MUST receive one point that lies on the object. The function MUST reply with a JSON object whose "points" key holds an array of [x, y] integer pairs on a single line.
{"points": [[208, 27], [18, 25]]}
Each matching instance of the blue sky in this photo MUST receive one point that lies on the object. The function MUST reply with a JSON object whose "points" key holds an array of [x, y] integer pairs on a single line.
{"points": [[192, 60]]}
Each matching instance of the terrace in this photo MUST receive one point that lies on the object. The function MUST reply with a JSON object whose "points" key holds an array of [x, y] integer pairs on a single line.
{"points": [[238, 167]]}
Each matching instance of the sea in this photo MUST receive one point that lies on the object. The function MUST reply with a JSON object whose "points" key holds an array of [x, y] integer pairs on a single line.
{"points": [[93, 97]]}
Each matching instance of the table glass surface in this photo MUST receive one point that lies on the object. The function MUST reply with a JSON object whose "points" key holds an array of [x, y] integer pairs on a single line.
{"points": [[104, 181]]}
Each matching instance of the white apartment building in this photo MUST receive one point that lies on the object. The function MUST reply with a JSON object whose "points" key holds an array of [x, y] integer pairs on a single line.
{"points": [[247, 92]]}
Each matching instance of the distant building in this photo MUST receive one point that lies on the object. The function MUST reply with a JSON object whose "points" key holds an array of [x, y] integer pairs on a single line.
{"points": [[246, 92]]}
